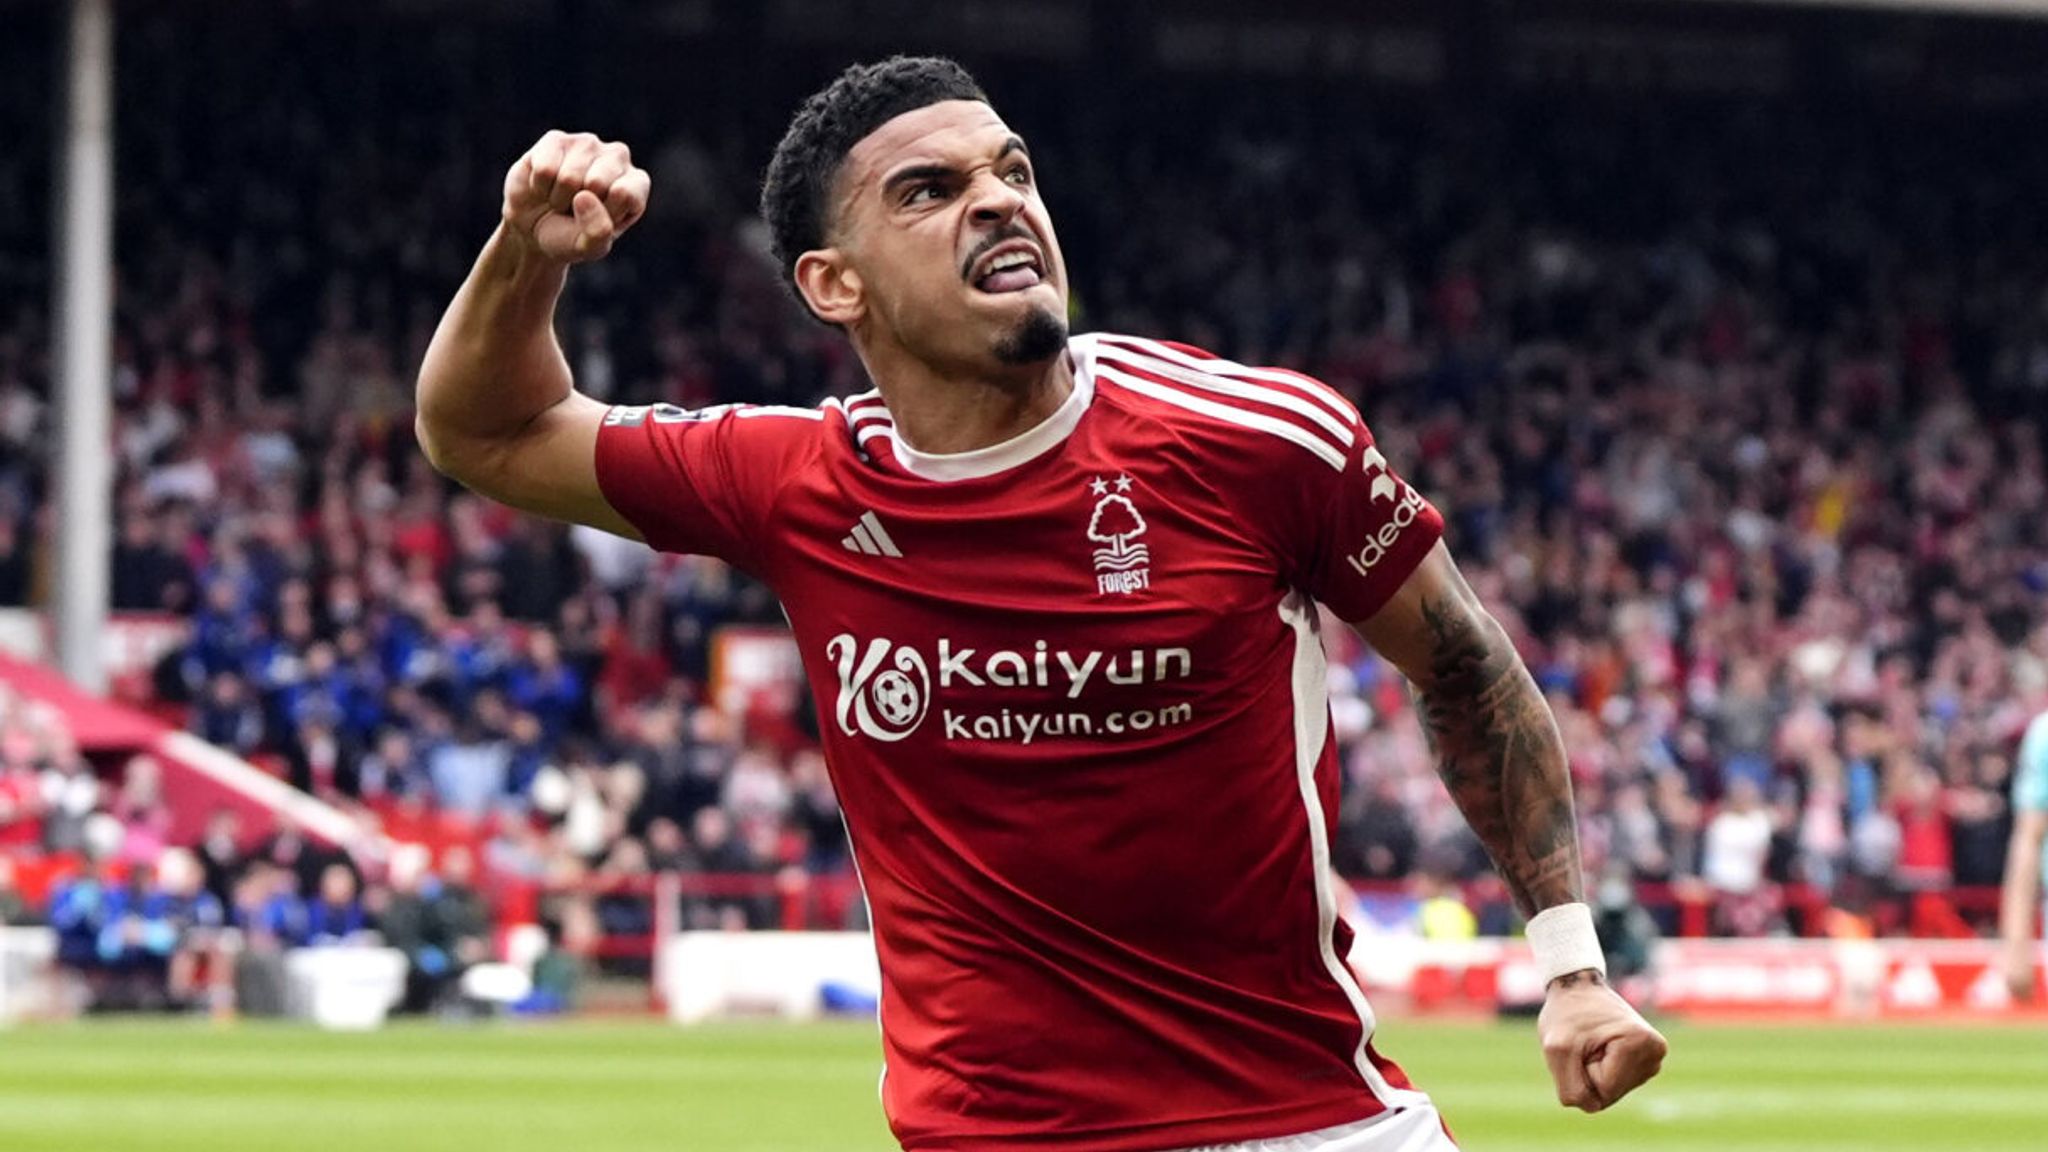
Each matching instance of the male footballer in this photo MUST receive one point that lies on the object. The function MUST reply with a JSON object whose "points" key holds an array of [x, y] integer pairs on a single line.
{"points": [[1057, 597]]}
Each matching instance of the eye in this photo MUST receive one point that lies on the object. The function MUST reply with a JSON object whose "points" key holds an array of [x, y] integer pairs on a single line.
{"points": [[1020, 176], [926, 192]]}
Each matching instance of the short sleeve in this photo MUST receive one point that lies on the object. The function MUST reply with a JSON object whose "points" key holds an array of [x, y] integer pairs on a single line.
{"points": [[2030, 778], [1366, 531], [701, 481]]}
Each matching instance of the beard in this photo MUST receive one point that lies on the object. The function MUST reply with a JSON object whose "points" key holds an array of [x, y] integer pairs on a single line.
{"points": [[1039, 337]]}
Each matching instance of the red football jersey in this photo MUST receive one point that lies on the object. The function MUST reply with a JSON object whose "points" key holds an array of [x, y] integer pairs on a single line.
{"points": [[1074, 705]]}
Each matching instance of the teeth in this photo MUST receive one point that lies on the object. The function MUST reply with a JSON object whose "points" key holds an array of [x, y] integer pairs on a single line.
{"points": [[1010, 260]]}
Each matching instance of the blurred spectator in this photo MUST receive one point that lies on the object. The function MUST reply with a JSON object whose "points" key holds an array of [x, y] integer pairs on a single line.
{"points": [[723, 854], [1823, 834], [395, 769], [1980, 815], [146, 575], [14, 910], [636, 669], [815, 812], [225, 714], [1745, 718], [271, 919], [335, 915], [1626, 931], [684, 771], [404, 921], [71, 794], [175, 929], [461, 914], [1378, 839], [82, 910], [518, 851], [560, 971], [470, 765], [304, 857], [1441, 909], [146, 836], [527, 751], [622, 907], [321, 759], [1926, 850], [667, 849], [544, 686], [270, 907], [440, 924], [1737, 846], [21, 806]]}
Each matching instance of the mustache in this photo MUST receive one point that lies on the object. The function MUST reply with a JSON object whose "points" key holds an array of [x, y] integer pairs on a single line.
{"points": [[1013, 232]]}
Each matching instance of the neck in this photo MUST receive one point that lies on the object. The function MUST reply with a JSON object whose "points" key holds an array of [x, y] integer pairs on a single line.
{"points": [[944, 413]]}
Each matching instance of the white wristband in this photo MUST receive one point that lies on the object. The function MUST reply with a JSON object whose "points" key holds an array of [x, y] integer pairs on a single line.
{"points": [[1564, 941]]}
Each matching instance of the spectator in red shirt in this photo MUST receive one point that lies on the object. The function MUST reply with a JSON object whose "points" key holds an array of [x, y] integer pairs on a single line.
{"points": [[636, 668], [1926, 853], [21, 806]]}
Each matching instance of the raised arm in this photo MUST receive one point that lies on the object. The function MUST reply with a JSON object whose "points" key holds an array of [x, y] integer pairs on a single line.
{"points": [[497, 407], [1499, 752]]}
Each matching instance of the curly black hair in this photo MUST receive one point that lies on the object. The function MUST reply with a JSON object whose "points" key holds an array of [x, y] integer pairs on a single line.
{"points": [[796, 193]]}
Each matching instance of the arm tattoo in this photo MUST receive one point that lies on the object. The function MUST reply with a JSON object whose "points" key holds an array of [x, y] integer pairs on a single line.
{"points": [[1499, 753]]}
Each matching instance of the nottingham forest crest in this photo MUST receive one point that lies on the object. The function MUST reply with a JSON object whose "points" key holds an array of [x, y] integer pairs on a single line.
{"points": [[1123, 563]]}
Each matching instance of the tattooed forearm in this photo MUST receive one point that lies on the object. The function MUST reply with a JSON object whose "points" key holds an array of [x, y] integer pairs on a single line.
{"points": [[1500, 754]]}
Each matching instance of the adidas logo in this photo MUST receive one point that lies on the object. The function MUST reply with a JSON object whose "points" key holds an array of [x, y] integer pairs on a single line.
{"points": [[869, 538]]}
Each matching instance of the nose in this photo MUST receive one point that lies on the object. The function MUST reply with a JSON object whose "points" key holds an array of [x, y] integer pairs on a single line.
{"points": [[996, 200]]}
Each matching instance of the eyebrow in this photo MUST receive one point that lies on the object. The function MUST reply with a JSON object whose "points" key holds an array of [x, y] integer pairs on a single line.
{"points": [[917, 173]]}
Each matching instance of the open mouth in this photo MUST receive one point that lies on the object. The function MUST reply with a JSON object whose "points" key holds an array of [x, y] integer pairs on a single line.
{"points": [[1010, 268]]}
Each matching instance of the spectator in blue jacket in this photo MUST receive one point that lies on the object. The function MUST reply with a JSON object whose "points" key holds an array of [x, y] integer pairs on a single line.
{"points": [[172, 933], [336, 916]]}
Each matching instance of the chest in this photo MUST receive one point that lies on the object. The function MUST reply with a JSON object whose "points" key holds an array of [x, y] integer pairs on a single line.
{"points": [[1107, 594], [1104, 533]]}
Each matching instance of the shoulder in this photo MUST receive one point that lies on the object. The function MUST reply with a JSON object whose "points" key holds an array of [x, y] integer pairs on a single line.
{"points": [[1266, 414], [746, 438], [771, 418]]}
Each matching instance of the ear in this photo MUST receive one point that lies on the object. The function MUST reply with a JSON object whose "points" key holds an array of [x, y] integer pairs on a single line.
{"points": [[830, 286]]}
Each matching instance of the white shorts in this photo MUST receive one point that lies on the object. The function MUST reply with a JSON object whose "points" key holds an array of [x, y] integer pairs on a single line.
{"points": [[1409, 1129]]}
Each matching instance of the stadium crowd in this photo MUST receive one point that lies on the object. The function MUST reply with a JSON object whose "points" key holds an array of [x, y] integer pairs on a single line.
{"points": [[1737, 418]]}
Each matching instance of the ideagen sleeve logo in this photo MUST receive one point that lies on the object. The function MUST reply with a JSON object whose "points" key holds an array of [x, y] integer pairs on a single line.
{"points": [[1408, 504]]}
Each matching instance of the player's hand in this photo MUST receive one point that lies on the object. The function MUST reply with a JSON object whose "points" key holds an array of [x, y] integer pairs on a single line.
{"points": [[2019, 970], [1598, 1047], [572, 196]]}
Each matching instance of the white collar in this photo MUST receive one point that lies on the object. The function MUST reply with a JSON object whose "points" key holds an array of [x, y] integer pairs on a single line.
{"points": [[946, 467]]}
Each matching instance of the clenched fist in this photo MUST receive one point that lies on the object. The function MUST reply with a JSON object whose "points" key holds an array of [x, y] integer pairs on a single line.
{"points": [[1598, 1048], [572, 195]]}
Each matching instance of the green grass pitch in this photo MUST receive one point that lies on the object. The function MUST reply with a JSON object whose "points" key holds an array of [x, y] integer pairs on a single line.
{"points": [[189, 1086]]}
